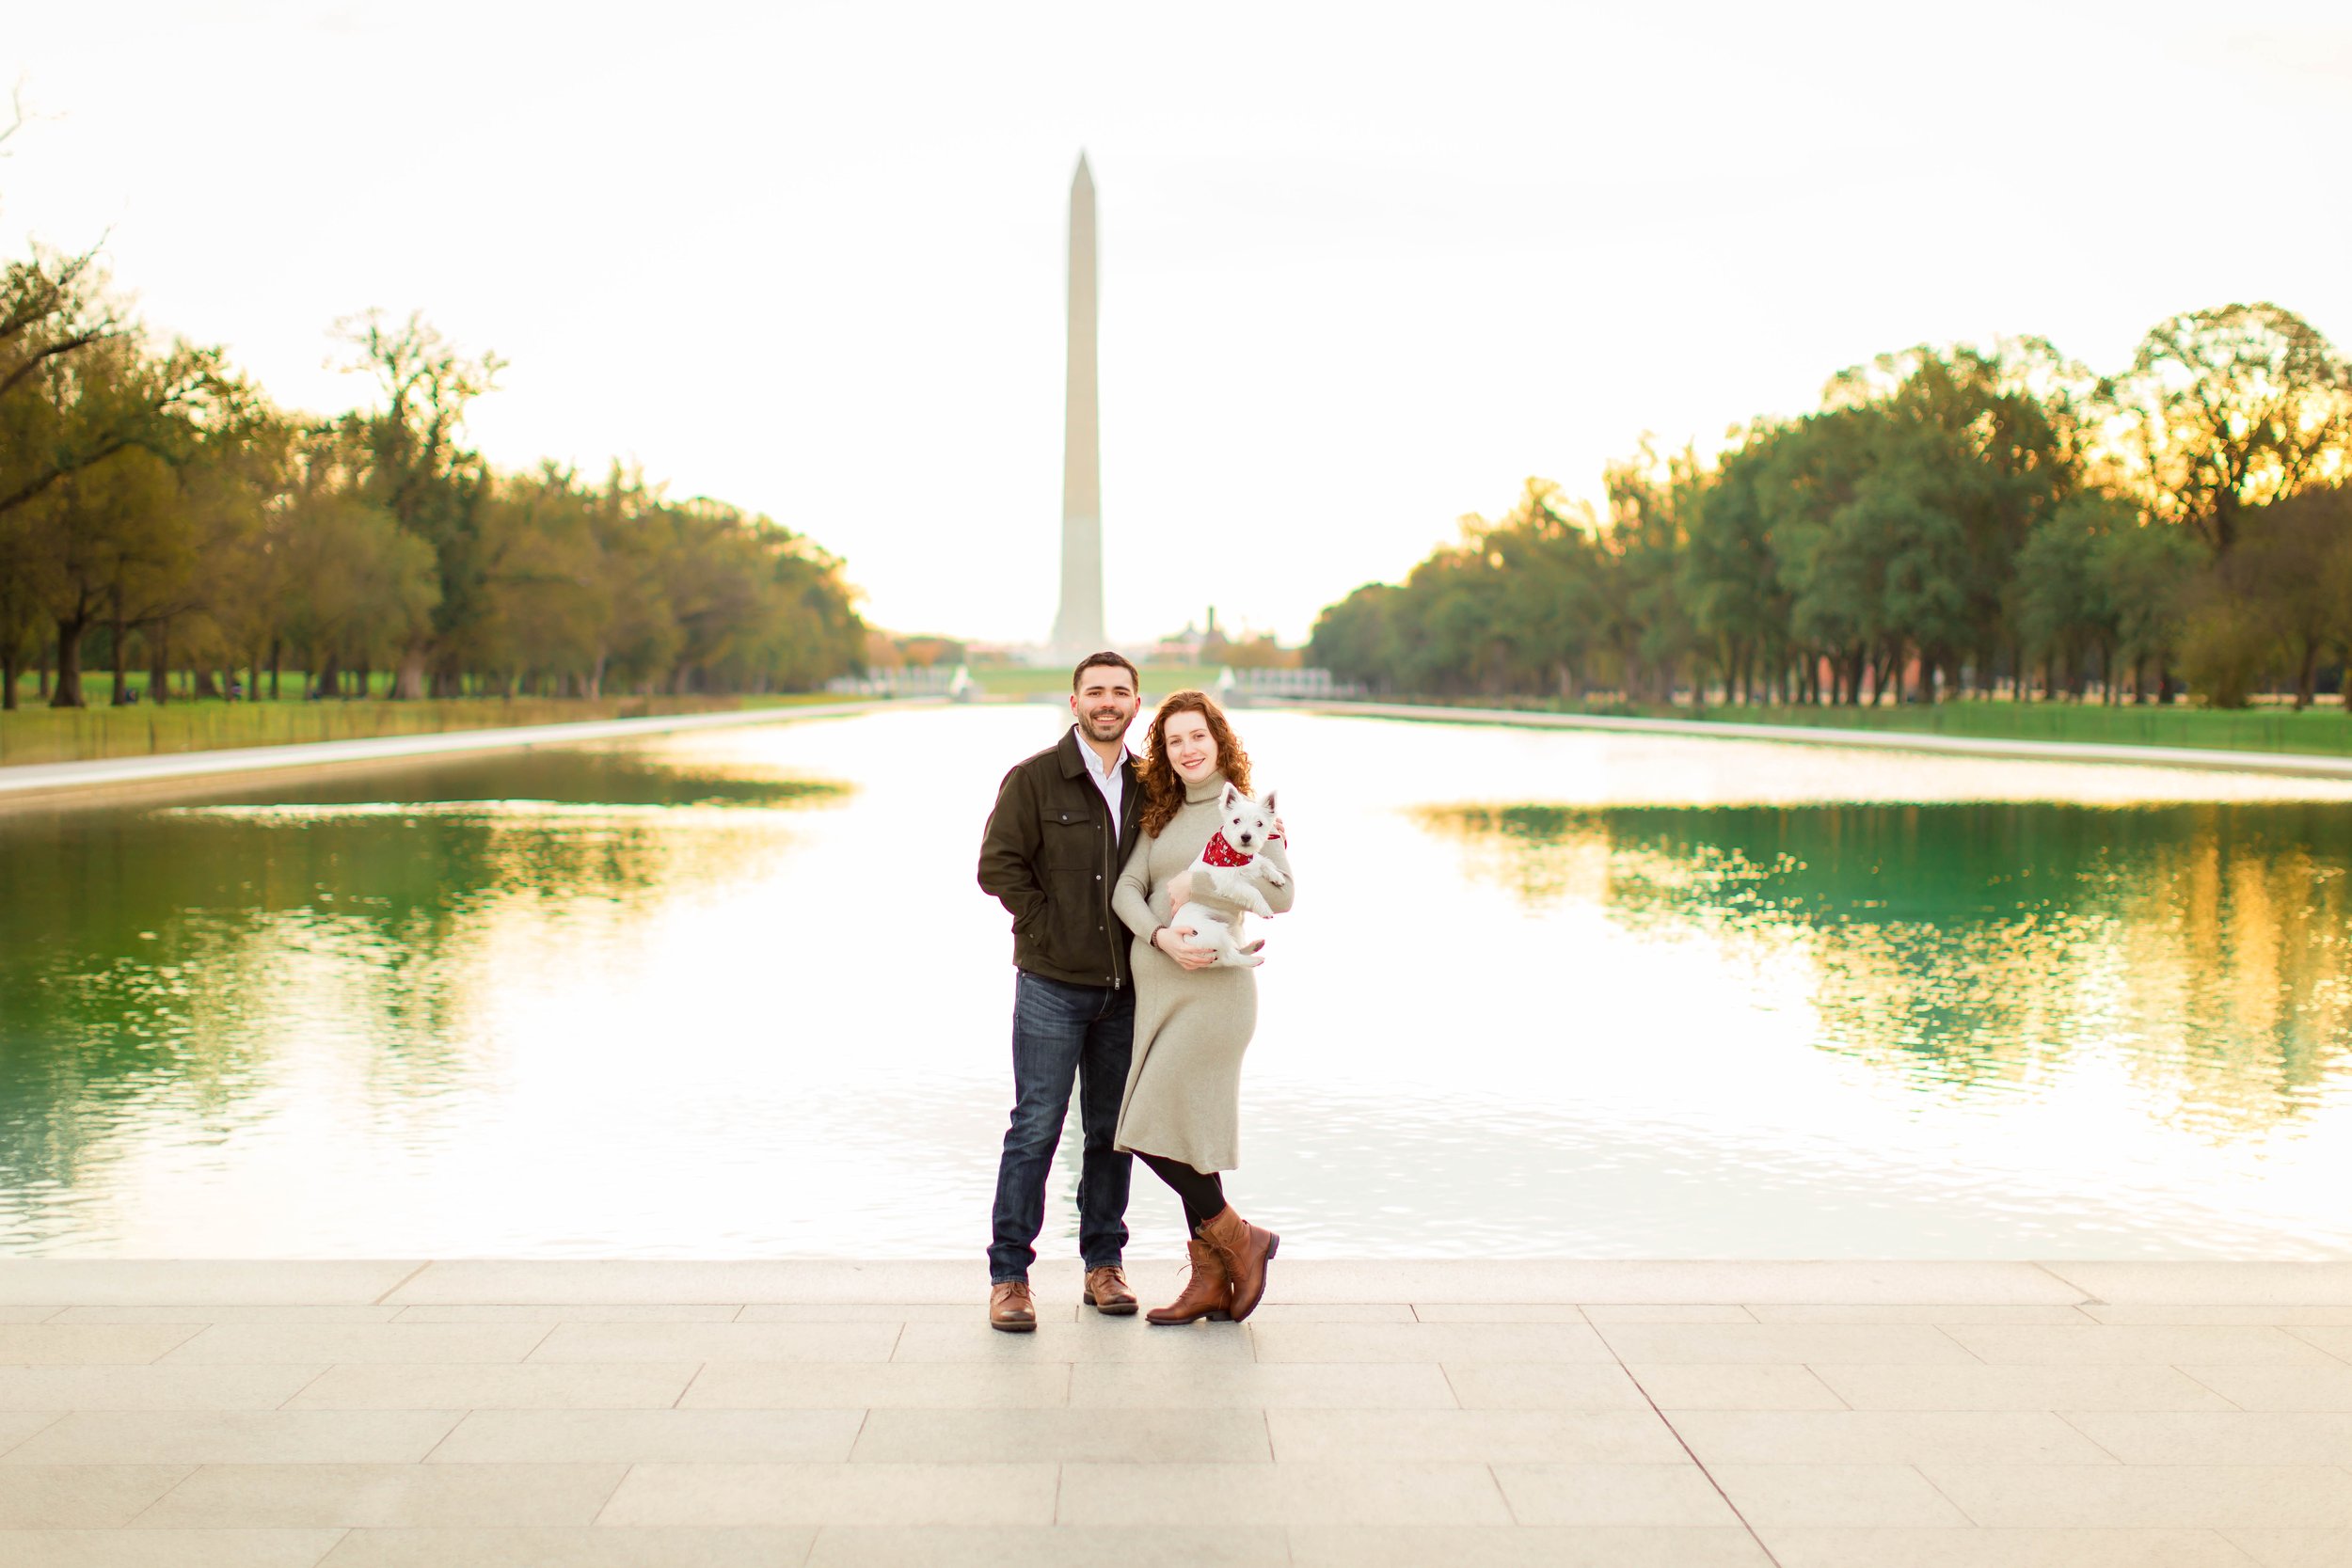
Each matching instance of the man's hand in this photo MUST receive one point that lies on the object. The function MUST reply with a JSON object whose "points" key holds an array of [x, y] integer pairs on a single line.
{"points": [[1176, 942]]}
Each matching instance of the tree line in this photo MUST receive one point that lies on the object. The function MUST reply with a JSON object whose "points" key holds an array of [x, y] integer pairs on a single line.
{"points": [[156, 506], [1950, 521]]}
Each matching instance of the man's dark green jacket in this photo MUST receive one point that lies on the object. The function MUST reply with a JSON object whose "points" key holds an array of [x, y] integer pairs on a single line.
{"points": [[1050, 857]]}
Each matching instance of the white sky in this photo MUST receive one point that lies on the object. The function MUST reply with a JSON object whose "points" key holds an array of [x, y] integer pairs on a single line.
{"points": [[1360, 275]]}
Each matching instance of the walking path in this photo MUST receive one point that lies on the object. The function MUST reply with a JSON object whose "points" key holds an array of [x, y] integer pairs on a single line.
{"points": [[2291, 763], [1613, 1414], [79, 778]]}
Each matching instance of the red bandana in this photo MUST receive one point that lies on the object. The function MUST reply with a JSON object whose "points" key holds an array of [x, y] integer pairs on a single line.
{"points": [[1219, 852]]}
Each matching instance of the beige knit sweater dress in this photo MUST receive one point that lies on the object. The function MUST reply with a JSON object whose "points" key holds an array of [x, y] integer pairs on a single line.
{"points": [[1182, 1098]]}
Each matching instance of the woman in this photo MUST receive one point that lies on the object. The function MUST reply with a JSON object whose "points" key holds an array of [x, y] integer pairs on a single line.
{"points": [[1180, 1113]]}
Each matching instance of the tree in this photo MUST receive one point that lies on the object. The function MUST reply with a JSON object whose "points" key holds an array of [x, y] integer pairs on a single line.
{"points": [[2289, 566], [2144, 571], [432, 485], [2225, 409]]}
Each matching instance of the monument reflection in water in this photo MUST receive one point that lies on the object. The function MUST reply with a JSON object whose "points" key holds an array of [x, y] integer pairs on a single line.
{"points": [[1545, 994]]}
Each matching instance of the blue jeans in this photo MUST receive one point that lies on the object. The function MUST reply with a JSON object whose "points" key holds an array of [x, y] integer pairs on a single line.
{"points": [[1061, 1032]]}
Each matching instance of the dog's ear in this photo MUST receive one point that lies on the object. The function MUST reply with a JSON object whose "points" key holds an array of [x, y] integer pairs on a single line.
{"points": [[1232, 797], [1268, 806]]}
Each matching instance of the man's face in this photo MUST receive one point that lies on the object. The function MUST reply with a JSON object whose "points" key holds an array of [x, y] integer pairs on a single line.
{"points": [[1106, 702]]}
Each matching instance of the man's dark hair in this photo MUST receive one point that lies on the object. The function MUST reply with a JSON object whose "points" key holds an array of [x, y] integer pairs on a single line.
{"points": [[1119, 661]]}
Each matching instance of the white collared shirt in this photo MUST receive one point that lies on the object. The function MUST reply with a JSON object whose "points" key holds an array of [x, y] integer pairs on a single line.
{"points": [[1111, 781]]}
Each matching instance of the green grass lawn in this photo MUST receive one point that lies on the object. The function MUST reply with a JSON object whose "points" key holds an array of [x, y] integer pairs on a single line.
{"points": [[2325, 730], [1030, 680], [36, 735]]}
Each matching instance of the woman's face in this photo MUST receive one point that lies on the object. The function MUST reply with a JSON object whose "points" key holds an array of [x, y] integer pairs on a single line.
{"points": [[1191, 748]]}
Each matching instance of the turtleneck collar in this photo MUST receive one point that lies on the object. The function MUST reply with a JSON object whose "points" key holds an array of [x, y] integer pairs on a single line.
{"points": [[1207, 789]]}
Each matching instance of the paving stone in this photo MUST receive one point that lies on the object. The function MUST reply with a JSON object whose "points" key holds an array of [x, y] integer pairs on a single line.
{"points": [[229, 1312], [738, 1281], [1097, 1342], [1504, 1312], [575, 1437], [166, 1548], [226, 1344], [17, 1427], [2295, 1549], [900, 1495], [2149, 1497], [587, 1546], [236, 1437], [22, 1314], [1705, 1281], [727, 1341], [1146, 1437], [81, 1496], [55, 1344], [585, 1312], [890, 1312], [1895, 1313], [2001, 1549], [809, 1386], [1479, 1437], [1886, 1437], [167, 1388], [1621, 1495], [1143, 1386], [2219, 1437], [1450, 1343], [1813, 1344], [1847, 1495], [485, 1385], [1345, 1312], [1750, 1386], [1527, 1546], [1975, 1387], [2195, 1283], [2255, 1313], [2103, 1344], [2278, 1387], [1143, 1496], [1668, 1313], [1553, 1386], [287, 1496], [1045, 1546], [146, 1282], [2334, 1342]]}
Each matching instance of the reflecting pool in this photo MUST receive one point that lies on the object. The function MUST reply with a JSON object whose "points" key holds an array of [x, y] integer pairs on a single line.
{"points": [[1546, 993]]}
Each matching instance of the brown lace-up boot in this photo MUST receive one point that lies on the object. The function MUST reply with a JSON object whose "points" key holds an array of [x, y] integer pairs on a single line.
{"points": [[1106, 1291], [1205, 1294], [1010, 1308], [1245, 1250]]}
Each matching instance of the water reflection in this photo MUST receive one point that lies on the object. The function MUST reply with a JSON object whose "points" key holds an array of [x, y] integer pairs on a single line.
{"points": [[163, 972], [1710, 999], [1975, 944]]}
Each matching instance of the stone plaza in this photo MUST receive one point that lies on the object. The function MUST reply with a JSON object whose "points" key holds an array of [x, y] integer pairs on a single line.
{"points": [[1811, 1415]]}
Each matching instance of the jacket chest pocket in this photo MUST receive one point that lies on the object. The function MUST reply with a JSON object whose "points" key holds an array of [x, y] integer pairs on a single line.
{"points": [[1068, 838]]}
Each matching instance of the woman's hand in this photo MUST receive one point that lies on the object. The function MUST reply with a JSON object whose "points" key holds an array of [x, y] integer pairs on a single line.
{"points": [[1179, 891], [1176, 942]]}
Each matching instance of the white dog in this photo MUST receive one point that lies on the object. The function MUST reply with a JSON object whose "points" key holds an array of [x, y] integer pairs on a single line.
{"points": [[1227, 877]]}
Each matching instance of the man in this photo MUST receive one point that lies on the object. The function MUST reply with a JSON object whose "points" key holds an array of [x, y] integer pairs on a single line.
{"points": [[1064, 821]]}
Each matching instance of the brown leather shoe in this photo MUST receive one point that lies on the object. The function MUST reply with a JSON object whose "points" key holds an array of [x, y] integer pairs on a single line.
{"points": [[1206, 1294], [1106, 1291], [1009, 1308], [1245, 1250]]}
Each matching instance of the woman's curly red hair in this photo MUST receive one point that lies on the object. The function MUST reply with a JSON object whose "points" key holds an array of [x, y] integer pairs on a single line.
{"points": [[1163, 788]]}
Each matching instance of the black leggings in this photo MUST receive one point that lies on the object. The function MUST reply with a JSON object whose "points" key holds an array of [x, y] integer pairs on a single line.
{"points": [[1203, 1194]]}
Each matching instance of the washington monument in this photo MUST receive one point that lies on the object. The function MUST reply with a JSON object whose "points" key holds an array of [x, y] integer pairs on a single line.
{"points": [[1078, 623]]}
